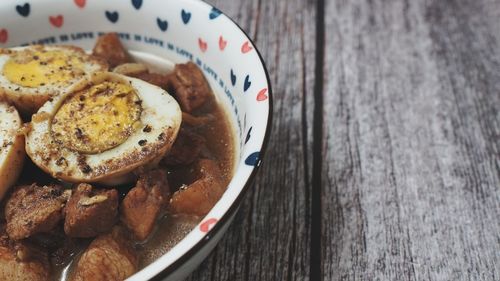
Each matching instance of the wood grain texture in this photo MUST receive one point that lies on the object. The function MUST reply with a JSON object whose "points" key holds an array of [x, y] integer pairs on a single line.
{"points": [[411, 186], [407, 148]]}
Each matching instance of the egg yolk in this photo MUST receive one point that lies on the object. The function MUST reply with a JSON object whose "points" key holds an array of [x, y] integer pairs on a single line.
{"points": [[97, 118], [35, 68]]}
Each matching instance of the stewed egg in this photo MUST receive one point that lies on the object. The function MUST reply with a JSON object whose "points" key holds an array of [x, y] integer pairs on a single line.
{"points": [[30, 75], [103, 128], [11, 147]]}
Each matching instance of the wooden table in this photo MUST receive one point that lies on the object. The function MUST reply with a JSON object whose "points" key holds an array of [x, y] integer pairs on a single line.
{"points": [[384, 160]]}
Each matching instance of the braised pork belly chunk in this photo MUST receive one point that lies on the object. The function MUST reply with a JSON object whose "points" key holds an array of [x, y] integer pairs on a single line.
{"points": [[109, 48], [110, 257], [32, 209], [200, 196], [186, 148], [21, 261], [189, 86], [90, 211], [144, 203]]}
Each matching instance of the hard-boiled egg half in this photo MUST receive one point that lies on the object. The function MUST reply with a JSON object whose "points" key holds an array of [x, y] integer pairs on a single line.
{"points": [[11, 147], [30, 75], [102, 129]]}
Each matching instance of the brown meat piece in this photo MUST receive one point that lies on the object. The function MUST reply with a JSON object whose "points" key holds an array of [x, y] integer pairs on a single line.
{"points": [[189, 86], [90, 212], [143, 204], [20, 261], [154, 78], [185, 149], [109, 257], [199, 197], [32, 209], [109, 48]]}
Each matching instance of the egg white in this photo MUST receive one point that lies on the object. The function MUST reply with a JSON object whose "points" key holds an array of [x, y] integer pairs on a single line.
{"points": [[29, 100], [159, 110], [12, 152]]}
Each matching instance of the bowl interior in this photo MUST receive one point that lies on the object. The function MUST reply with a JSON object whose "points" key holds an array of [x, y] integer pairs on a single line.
{"points": [[178, 31]]}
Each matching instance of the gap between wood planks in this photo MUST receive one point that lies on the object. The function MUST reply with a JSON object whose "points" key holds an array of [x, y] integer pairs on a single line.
{"points": [[316, 206]]}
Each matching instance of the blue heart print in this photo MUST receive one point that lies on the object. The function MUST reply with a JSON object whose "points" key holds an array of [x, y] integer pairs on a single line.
{"points": [[23, 10], [233, 78], [215, 13], [162, 24], [247, 84], [112, 16], [253, 159], [137, 4], [248, 135], [186, 16]]}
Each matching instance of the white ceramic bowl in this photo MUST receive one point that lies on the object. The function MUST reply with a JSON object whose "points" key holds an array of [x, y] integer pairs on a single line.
{"points": [[179, 31]]}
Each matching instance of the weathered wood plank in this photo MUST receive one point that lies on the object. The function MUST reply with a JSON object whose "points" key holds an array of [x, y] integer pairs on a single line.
{"points": [[269, 239], [411, 187]]}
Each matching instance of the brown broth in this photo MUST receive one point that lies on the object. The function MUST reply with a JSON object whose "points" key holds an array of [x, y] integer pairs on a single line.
{"points": [[170, 229]]}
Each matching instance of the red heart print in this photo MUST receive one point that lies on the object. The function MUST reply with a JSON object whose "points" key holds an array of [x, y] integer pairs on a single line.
{"points": [[208, 224], [56, 21], [203, 45], [245, 48], [4, 35], [80, 3], [261, 96], [222, 43]]}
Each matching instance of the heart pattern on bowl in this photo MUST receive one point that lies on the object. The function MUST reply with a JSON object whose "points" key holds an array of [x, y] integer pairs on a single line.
{"points": [[262, 95], [245, 48], [222, 43], [208, 224], [248, 135], [137, 4], [56, 21], [214, 13], [80, 3], [186, 16], [112, 16], [162, 24], [23, 10], [247, 84], [4, 36], [203, 45], [233, 78], [253, 159]]}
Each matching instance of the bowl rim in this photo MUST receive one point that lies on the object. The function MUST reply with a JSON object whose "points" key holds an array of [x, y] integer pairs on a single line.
{"points": [[228, 208], [176, 264]]}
